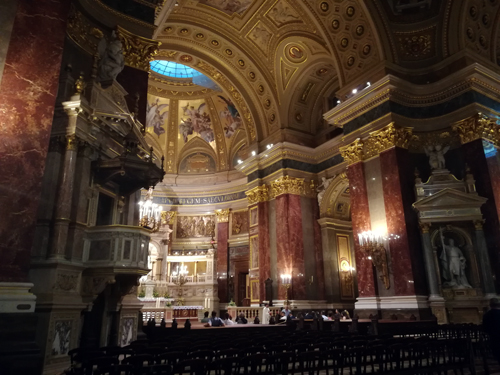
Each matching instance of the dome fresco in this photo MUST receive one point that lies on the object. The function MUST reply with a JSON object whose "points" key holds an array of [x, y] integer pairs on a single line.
{"points": [[173, 69]]}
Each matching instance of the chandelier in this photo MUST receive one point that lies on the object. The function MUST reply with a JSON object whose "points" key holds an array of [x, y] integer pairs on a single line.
{"points": [[373, 244], [179, 278], [149, 212]]}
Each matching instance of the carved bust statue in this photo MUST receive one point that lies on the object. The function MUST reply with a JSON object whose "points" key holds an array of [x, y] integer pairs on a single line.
{"points": [[111, 60]]}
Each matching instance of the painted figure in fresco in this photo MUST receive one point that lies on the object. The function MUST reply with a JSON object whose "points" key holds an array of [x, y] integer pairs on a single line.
{"points": [[453, 265], [198, 121], [154, 117], [231, 116], [230, 6], [436, 156], [111, 60]]}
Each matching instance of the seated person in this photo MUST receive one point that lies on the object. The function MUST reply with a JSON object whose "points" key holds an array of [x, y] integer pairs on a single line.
{"points": [[337, 314], [345, 314], [282, 318], [227, 320], [205, 317], [241, 319], [323, 315], [214, 321], [309, 315]]}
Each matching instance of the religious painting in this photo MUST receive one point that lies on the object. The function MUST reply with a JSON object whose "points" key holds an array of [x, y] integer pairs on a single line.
{"points": [[127, 331], [254, 291], [344, 259], [195, 226], [197, 163], [156, 115], [254, 216], [254, 252], [239, 222], [229, 116], [229, 6], [195, 121], [61, 339]]}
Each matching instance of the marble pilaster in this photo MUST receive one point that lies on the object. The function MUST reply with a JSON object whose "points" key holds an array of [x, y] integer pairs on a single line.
{"points": [[222, 261], [264, 254], [360, 213], [430, 264], [283, 258], [408, 273], [483, 260], [318, 250], [27, 98]]}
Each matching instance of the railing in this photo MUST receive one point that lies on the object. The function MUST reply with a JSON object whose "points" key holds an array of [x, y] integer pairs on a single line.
{"points": [[250, 312], [116, 246], [199, 279]]}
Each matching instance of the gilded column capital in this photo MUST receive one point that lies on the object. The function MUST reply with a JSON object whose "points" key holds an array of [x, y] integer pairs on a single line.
{"points": [[138, 51], [222, 215], [477, 127], [257, 194], [353, 152], [167, 217], [72, 142], [390, 136], [478, 224], [287, 185], [424, 227]]}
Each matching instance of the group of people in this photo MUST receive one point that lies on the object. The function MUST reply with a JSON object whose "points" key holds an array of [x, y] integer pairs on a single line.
{"points": [[215, 321]]}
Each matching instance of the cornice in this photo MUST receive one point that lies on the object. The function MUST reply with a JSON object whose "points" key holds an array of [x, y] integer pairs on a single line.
{"points": [[474, 77]]}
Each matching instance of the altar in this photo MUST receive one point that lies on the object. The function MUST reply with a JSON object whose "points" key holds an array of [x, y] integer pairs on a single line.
{"points": [[186, 312]]}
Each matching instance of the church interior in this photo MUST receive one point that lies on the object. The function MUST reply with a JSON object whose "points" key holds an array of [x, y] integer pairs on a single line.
{"points": [[162, 158]]}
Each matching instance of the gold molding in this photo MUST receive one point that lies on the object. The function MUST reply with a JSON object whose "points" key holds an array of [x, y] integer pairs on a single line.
{"points": [[287, 185], [138, 51], [167, 217], [386, 138], [425, 227], [476, 127], [257, 194], [222, 215], [353, 152]]}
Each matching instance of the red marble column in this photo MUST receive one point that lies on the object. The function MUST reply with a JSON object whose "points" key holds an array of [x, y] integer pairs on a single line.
{"points": [[222, 261], [289, 245], [27, 98], [264, 254], [405, 252], [318, 250], [360, 213], [486, 176]]}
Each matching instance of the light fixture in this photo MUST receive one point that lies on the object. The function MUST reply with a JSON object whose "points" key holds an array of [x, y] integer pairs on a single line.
{"points": [[354, 91], [373, 244], [368, 84], [254, 153], [149, 212], [269, 146], [338, 102], [240, 161], [286, 280]]}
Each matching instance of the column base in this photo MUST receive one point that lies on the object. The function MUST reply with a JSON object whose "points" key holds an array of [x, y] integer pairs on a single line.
{"points": [[16, 298], [403, 307]]}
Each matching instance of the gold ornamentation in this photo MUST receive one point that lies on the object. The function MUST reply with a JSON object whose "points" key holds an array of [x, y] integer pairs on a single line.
{"points": [[222, 215], [79, 85], [138, 51], [71, 142], [416, 46], [239, 222], [353, 152], [195, 226], [287, 185], [165, 53], [186, 58], [477, 127], [82, 31], [425, 227], [387, 137], [167, 217], [378, 255], [257, 194], [478, 224]]}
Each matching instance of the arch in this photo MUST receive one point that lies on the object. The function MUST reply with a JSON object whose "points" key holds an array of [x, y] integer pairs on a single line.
{"points": [[237, 143], [196, 145], [337, 194]]}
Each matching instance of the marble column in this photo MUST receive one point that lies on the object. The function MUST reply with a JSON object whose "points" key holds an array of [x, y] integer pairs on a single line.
{"points": [[283, 259], [264, 254], [318, 250], [27, 99], [64, 200], [360, 214], [430, 264], [397, 181], [222, 254], [484, 261]]}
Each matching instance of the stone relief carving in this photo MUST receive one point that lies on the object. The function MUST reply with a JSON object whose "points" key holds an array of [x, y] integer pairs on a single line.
{"points": [[127, 334], [436, 156], [240, 222], [66, 282], [322, 188], [283, 13], [195, 226], [260, 35], [62, 336], [111, 59]]}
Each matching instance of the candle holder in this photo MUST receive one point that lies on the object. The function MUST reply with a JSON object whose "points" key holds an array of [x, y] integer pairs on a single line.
{"points": [[286, 281], [179, 278], [372, 244]]}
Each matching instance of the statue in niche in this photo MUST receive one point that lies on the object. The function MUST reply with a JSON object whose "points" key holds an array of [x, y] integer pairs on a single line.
{"points": [[322, 188], [453, 264], [436, 156], [111, 60]]}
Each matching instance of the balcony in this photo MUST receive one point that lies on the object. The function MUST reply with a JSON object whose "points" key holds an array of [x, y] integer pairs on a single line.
{"points": [[122, 248]]}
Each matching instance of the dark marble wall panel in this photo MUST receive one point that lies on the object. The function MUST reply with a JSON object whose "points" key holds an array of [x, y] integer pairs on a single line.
{"points": [[360, 213], [296, 247], [27, 98], [475, 158], [7, 16], [273, 255], [283, 258], [318, 250], [222, 261]]}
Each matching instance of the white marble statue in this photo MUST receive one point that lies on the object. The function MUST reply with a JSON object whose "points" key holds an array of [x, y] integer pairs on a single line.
{"points": [[111, 60], [436, 156], [322, 188], [453, 264]]}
